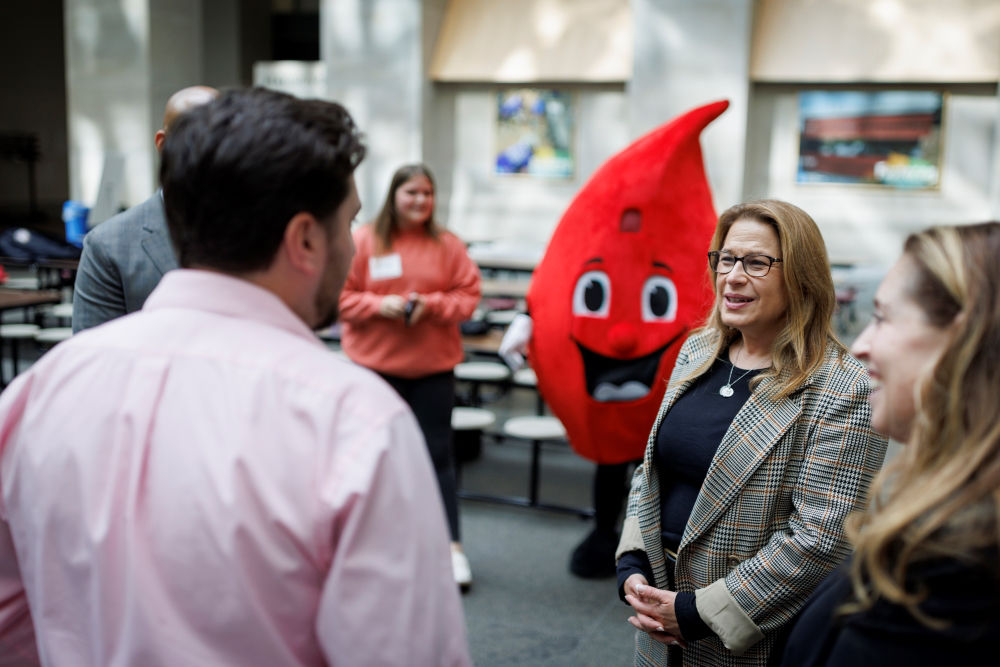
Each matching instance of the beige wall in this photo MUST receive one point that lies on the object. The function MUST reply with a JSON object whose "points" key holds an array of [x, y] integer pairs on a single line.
{"points": [[951, 46], [554, 40], [848, 41], [868, 223], [757, 54], [685, 55], [481, 205]]}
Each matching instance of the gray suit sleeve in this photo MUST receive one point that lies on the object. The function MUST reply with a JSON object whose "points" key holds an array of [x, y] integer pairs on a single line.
{"points": [[98, 295]]}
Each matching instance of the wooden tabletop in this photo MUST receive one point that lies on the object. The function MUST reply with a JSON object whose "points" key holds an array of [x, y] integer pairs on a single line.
{"points": [[67, 263], [487, 343], [515, 289], [519, 264], [70, 263], [23, 298]]}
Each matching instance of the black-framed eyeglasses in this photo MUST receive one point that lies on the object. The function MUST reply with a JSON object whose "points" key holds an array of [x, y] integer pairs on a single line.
{"points": [[754, 265]]}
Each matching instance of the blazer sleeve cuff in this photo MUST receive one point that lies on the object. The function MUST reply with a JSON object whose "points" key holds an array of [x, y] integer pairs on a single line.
{"points": [[718, 608], [631, 539]]}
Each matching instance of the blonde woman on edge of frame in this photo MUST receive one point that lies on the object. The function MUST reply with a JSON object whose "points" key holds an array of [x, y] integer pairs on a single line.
{"points": [[923, 586]]}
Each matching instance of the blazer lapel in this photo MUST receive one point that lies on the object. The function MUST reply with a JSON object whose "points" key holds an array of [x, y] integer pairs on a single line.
{"points": [[674, 391], [155, 239], [649, 518], [758, 426]]}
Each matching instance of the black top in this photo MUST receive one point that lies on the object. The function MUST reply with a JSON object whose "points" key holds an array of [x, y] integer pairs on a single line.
{"points": [[687, 439], [967, 595], [686, 442]]}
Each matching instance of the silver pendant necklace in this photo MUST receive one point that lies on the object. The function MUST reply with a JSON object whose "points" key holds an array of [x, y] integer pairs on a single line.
{"points": [[726, 390]]}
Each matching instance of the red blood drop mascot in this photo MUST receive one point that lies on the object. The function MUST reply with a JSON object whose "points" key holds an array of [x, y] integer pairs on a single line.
{"points": [[622, 282]]}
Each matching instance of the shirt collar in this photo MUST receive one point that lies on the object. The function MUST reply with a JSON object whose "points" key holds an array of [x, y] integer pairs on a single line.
{"points": [[225, 295]]}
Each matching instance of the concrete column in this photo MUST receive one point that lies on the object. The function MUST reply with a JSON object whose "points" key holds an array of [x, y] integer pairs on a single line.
{"points": [[123, 60], [688, 54], [221, 43], [176, 52], [374, 60], [438, 115]]}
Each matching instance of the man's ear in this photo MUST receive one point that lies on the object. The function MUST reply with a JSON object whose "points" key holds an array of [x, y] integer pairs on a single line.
{"points": [[305, 243], [158, 139]]}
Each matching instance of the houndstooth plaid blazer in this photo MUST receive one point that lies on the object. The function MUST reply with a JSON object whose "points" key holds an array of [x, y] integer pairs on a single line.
{"points": [[767, 524]]}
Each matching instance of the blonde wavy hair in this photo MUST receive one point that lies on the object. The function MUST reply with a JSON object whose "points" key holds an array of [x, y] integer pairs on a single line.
{"points": [[800, 346], [940, 496]]}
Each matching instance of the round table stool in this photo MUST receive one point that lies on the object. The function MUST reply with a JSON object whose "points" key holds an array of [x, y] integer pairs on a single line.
{"points": [[62, 312], [471, 419], [15, 333], [501, 318], [477, 373], [467, 425], [22, 282], [52, 336], [482, 371], [536, 429], [525, 377]]}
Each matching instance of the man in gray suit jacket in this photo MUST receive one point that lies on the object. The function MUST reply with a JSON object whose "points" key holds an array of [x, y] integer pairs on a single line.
{"points": [[124, 258]]}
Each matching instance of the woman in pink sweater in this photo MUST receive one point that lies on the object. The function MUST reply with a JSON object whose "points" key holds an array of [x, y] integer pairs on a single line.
{"points": [[409, 287]]}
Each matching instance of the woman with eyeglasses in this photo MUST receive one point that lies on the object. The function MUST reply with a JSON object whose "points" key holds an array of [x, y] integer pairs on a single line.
{"points": [[762, 446]]}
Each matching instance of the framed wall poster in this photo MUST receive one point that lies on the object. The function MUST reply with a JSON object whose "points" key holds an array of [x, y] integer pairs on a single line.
{"points": [[534, 131], [886, 138]]}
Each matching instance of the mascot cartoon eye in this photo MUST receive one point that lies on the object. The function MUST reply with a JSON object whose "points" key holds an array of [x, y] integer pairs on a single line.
{"points": [[659, 299], [592, 295]]}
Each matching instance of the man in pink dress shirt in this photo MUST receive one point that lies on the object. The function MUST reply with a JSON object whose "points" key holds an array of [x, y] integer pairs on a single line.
{"points": [[202, 482]]}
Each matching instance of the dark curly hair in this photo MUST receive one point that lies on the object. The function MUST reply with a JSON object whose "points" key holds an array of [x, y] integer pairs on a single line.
{"points": [[236, 170]]}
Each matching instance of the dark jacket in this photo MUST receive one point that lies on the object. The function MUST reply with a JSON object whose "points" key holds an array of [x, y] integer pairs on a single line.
{"points": [[967, 595]]}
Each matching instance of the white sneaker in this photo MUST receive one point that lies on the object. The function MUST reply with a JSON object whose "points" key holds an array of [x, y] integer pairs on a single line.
{"points": [[460, 568]]}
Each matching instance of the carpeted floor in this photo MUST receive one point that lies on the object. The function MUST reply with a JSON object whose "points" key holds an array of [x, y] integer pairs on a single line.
{"points": [[525, 608]]}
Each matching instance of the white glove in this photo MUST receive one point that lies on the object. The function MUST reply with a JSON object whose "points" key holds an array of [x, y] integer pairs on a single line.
{"points": [[514, 345]]}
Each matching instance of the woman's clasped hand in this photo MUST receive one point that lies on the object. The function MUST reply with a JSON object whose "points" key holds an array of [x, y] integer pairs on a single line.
{"points": [[654, 610]]}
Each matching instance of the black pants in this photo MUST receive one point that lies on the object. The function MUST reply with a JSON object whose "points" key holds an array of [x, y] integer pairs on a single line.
{"points": [[431, 398], [611, 486]]}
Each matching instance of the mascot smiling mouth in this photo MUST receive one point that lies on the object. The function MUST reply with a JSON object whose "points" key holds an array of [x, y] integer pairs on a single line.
{"points": [[621, 380]]}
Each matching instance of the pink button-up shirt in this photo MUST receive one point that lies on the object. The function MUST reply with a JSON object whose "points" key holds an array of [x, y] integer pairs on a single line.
{"points": [[203, 483]]}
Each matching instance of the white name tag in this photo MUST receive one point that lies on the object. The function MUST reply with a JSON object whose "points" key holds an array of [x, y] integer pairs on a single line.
{"points": [[385, 267]]}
